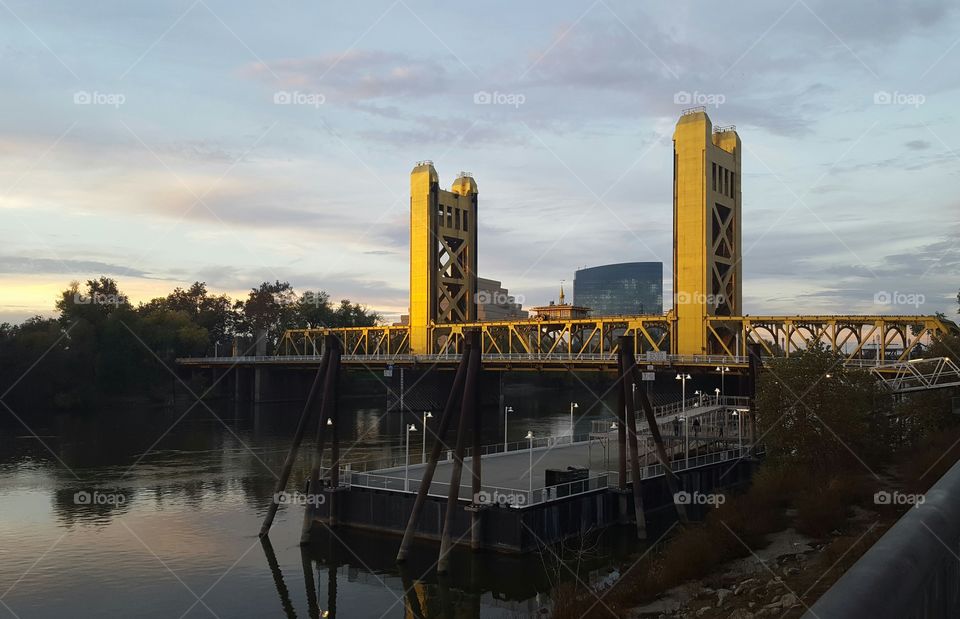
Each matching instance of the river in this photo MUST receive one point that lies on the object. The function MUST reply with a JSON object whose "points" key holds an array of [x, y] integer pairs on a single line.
{"points": [[153, 511]]}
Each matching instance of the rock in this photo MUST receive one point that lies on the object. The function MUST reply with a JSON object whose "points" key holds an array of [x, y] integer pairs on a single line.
{"points": [[792, 571], [788, 600], [744, 585], [721, 596], [741, 614], [703, 611]]}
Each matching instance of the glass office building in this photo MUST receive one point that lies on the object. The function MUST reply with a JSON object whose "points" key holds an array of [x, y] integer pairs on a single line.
{"points": [[625, 289]]}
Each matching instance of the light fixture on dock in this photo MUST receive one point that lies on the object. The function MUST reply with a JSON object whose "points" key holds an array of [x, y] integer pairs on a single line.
{"points": [[406, 461]]}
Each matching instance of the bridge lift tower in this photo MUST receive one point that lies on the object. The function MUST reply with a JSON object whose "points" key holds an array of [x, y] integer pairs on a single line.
{"points": [[707, 260], [443, 254]]}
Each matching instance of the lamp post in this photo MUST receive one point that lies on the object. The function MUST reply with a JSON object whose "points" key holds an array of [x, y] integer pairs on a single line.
{"points": [[736, 414], [573, 405], [699, 395], [406, 462], [506, 409], [683, 378], [606, 447], [423, 454], [723, 372], [529, 437], [686, 438]]}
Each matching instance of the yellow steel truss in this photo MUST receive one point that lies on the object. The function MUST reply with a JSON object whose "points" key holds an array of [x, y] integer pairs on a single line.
{"points": [[850, 335], [854, 336]]}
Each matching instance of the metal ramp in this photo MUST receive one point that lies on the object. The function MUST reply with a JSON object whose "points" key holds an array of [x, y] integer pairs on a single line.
{"points": [[918, 374]]}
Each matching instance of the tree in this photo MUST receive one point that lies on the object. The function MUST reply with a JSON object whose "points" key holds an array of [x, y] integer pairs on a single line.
{"points": [[270, 309], [93, 303], [215, 314], [814, 412]]}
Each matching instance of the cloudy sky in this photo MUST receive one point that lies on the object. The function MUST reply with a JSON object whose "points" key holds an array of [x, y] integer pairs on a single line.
{"points": [[235, 142]]}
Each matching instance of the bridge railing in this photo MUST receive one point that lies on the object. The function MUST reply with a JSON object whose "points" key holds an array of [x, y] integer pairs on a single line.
{"points": [[912, 571]]}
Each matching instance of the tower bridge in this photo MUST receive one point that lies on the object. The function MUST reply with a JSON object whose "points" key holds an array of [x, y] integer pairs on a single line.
{"points": [[705, 327]]}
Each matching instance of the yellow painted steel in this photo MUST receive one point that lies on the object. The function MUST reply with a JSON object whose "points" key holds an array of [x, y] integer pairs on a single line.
{"points": [[443, 253], [856, 337], [707, 278], [585, 341]]}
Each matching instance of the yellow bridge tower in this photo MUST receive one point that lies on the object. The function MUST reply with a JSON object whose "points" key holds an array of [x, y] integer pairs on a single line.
{"points": [[707, 264], [443, 254]]}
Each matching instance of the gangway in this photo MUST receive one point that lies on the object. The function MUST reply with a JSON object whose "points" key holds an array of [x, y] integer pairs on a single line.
{"points": [[919, 374]]}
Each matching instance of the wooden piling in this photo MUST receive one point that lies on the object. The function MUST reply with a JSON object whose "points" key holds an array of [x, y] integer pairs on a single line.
{"points": [[448, 411], [295, 446], [466, 413], [630, 366], [314, 487], [626, 387]]}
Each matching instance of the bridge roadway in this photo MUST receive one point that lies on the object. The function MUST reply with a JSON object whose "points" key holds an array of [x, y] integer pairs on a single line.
{"points": [[496, 361]]}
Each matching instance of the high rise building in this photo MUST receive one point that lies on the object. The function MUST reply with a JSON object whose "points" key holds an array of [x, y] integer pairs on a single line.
{"points": [[494, 302], [625, 289], [443, 253], [707, 274]]}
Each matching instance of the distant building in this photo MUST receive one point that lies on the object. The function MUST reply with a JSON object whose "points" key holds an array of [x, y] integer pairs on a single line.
{"points": [[495, 303], [625, 289], [560, 311]]}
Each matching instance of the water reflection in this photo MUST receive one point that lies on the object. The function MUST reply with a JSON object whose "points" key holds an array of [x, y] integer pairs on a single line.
{"points": [[194, 489]]}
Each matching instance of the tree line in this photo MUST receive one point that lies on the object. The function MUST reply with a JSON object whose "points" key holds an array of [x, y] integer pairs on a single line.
{"points": [[102, 346]]}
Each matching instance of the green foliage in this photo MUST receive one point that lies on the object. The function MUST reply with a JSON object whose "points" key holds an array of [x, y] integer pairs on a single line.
{"points": [[815, 413], [101, 345]]}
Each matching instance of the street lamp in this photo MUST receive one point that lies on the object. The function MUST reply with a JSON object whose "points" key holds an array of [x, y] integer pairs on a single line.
{"points": [[529, 437], [573, 405], [423, 454], [406, 462], [699, 395], [723, 372], [736, 414], [686, 438], [506, 409], [606, 447], [683, 378]]}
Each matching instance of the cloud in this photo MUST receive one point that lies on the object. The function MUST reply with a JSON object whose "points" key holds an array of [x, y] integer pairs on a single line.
{"points": [[355, 75], [22, 265]]}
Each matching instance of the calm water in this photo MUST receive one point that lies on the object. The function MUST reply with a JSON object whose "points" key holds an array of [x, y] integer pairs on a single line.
{"points": [[173, 531]]}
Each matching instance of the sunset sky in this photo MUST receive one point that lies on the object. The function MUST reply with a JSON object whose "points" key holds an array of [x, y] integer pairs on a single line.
{"points": [[236, 142]]}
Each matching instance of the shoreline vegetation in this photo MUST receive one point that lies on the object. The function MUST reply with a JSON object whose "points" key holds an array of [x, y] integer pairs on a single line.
{"points": [[837, 449], [100, 348]]}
